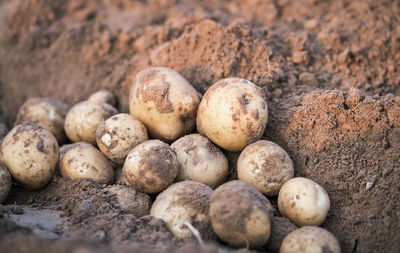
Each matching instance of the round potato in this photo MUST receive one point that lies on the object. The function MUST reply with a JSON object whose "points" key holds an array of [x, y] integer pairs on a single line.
{"points": [[151, 166], [304, 202], [200, 160], [266, 166], [46, 112], [30, 153], [5, 182], [118, 135], [83, 119], [104, 96], [165, 102], [310, 239], [185, 201], [233, 113], [240, 215], [82, 160]]}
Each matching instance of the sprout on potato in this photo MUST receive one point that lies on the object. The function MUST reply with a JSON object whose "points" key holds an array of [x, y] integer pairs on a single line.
{"points": [[104, 96], [5, 182]]}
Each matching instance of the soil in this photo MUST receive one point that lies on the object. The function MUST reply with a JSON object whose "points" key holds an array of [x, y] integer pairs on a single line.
{"points": [[329, 69]]}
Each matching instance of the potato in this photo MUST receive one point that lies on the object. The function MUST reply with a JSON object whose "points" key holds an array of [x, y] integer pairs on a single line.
{"points": [[82, 160], [5, 182], [233, 113], [46, 112], [104, 96], [151, 166], [200, 160], [185, 201], [30, 153], [304, 202], [310, 239], [240, 215], [83, 119], [165, 102], [118, 135], [266, 166]]}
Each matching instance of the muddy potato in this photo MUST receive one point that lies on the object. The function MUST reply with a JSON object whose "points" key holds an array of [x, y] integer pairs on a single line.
{"points": [[165, 102], [5, 182], [266, 166], [30, 153], [310, 239], [240, 215], [83, 119], [181, 202], [82, 160], [200, 160], [104, 96], [304, 202], [233, 113], [151, 166], [118, 135]]}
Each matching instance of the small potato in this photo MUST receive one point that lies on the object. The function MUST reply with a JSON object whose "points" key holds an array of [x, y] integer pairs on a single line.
{"points": [[151, 166], [304, 202], [240, 215], [30, 153], [165, 102], [82, 160], [118, 135], [200, 160], [266, 166], [104, 96], [5, 182], [46, 112], [83, 119], [310, 240], [181, 202], [233, 113]]}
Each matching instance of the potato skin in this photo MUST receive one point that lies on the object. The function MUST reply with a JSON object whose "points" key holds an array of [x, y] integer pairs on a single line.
{"points": [[240, 215], [118, 135], [185, 201], [151, 166], [30, 153], [104, 96], [165, 102], [200, 160], [266, 166], [5, 182], [233, 113]]}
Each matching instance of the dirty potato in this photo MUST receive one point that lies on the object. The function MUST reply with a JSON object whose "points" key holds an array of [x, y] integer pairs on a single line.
{"points": [[5, 182], [104, 96]]}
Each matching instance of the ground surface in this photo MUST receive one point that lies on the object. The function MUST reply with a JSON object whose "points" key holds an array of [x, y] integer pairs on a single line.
{"points": [[330, 70]]}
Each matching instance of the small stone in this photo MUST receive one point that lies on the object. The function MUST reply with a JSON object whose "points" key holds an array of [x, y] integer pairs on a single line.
{"points": [[17, 210]]}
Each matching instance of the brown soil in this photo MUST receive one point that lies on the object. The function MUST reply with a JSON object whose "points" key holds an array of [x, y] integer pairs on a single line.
{"points": [[329, 69]]}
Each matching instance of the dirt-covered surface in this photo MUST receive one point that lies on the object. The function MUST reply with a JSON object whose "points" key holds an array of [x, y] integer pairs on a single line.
{"points": [[330, 71]]}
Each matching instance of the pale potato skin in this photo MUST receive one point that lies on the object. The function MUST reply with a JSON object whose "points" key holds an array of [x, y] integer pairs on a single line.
{"points": [[83, 119], [200, 160], [165, 102], [83, 160], [104, 96], [304, 202], [266, 166], [310, 239], [233, 113], [151, 166], [118, 135], [240, 215], [48, 113], [185, 201], [30, 153], [5, 182]]}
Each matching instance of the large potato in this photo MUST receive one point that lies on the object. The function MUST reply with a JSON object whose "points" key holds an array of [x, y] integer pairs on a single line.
{"points": [[233, 113], [165, 102], [30, 153], [5, 182]]}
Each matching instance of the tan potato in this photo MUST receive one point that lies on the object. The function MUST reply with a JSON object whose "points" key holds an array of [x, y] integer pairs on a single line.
{"points": [[240, 215], [165, 102], [104, 96], [118, 135], [310, 240], [46, 112], [266, 166], [233, 113], [5, 182], [185, 201], [200, 160], [83, 119], [304, 202], [30, 153], [151, 166], [82, 160]]}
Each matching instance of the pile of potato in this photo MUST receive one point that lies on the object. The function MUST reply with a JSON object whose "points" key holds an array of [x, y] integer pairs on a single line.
{"points": [[159, 152]]}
